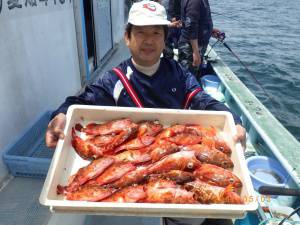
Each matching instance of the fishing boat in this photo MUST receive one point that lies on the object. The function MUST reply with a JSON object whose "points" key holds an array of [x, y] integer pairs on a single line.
{"points": [[19, 195]]}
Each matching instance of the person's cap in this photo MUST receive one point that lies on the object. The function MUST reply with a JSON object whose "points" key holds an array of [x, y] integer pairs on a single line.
{"points": [[145, 13]]}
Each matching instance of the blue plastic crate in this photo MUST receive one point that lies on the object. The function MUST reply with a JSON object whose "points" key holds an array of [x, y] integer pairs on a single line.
{"points": [[28, 155]]}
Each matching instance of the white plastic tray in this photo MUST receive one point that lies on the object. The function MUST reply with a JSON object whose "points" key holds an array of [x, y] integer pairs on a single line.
{"points": [[66, 162]]}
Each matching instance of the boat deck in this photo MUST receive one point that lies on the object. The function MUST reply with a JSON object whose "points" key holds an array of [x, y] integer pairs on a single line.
{"points": [[19, 203]]}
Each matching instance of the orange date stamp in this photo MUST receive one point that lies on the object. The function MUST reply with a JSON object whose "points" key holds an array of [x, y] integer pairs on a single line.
{"points": [[257, 198]]}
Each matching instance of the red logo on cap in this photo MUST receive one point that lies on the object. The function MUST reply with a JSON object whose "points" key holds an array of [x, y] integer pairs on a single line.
{"points": [[150, 7]]}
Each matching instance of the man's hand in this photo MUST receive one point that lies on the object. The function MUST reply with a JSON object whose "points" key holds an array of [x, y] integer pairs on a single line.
{"points": [[216, 32], [196, 53], [175, 23], [196, 59], [240, 136], [55, 130]]}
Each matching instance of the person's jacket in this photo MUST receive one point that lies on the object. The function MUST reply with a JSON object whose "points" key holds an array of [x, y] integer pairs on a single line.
{"points": [[167, 88], [174, 9]]}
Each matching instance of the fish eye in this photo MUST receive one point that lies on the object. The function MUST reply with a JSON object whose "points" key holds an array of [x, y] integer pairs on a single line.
{"points": [[190, 165]]}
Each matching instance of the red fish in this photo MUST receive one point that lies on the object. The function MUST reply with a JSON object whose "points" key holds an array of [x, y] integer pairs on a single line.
{"points": [[185, 139], [171, 131], [210, 137], [149, 128], [177, 161], [84, 174], [91, 149], [86, 149], [145, 136], [210, 155], [136, 144], [133, 156], [178, 176], [101, 140], [121, 137], [128, 194], [218, 144], [202, 131], [115, 126], [162, 148], [166, 191], [91, 193], [132, 177], [218, 176], [114, 172], [209, 194]]}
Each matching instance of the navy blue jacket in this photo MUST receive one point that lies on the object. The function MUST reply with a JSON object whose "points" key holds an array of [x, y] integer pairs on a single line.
{"points": [[174, 9], [197, 21], [167, 88]]}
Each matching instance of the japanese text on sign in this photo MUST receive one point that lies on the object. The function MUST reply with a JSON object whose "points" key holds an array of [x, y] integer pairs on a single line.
{"points": [[18, 4]]}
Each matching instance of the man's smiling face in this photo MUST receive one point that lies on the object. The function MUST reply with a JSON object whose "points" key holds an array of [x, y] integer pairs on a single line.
{"points": [[146, 44]]}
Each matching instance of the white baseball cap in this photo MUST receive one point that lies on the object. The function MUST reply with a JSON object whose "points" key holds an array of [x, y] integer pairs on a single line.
{"points": [[146, 13]]}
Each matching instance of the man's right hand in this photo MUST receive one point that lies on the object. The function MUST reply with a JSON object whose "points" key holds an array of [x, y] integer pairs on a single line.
{"points": [[196, 53], [175, 23], [196, 59], [55, 130]]}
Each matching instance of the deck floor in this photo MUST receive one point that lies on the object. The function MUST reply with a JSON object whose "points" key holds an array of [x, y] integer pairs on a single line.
{"points": [[19, 203]]}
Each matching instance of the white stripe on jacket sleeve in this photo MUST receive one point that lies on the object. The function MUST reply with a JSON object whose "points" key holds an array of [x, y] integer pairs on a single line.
{"points": [[119, 86]]}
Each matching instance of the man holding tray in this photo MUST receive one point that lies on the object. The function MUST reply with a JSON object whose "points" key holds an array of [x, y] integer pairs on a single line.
{"points": [[144, 80]]}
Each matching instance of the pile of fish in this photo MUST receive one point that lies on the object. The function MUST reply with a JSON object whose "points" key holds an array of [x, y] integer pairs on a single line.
{"points": [[146, 162]]}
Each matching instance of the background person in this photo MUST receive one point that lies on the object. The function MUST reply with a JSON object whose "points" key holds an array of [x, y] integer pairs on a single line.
{"points": [[173, 12], [197, 28]]}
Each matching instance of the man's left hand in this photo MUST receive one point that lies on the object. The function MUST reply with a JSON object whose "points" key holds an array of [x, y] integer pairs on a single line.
{"points": [[240, 136]]}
